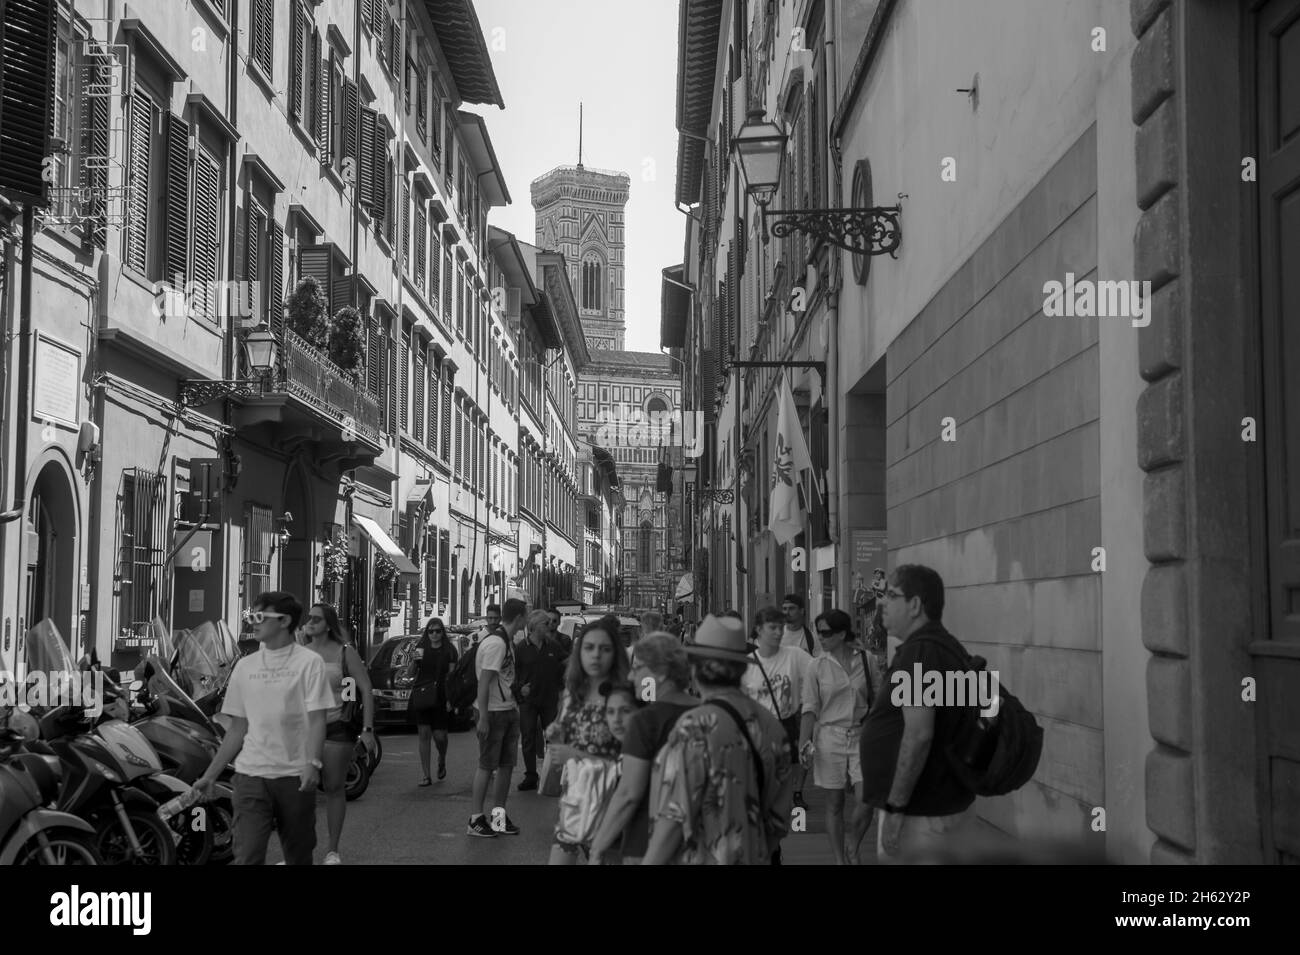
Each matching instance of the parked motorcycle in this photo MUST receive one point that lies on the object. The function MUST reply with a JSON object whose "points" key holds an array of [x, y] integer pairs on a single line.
{"points": [[30, 832], [112, 777]]}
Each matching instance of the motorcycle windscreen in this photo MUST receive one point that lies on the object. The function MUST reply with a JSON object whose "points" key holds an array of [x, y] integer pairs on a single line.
{"points": [[45, 650], [162, 687], [200, 662]]}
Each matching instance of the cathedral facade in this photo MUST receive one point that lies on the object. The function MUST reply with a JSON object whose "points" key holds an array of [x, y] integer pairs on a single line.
{"points": [[629, 403]]}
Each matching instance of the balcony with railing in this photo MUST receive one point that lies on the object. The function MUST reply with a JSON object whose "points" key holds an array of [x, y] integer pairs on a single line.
{"points": [[310, 399]]}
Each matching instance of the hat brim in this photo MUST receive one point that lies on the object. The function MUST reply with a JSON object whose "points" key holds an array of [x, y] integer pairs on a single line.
{"points": [[719, 653]]}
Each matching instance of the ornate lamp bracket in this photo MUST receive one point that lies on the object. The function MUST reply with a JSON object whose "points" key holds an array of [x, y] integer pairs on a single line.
{"points": [[871, 230]]}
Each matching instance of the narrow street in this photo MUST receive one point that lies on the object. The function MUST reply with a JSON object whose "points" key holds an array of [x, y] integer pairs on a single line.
{"points": [[398, 823]]}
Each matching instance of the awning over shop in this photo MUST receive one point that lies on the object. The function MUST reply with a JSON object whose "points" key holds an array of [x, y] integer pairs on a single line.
{"points": [[385, 543], [685, 587]]}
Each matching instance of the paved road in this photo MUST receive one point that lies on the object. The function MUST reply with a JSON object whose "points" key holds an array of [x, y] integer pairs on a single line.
{"points": [[396, 822]]}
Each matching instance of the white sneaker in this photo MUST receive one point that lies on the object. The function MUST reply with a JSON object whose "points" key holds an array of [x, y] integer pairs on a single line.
{"points": [[332, 858]]}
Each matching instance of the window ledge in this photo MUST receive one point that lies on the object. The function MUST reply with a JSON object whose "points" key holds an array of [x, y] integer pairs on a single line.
{"points": [[381, 240], [333, 176], [215, 17], [259, 76], [306, 138]]}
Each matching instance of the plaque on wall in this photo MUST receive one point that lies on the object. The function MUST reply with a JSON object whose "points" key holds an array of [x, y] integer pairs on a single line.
{"points": [[55, 381]]}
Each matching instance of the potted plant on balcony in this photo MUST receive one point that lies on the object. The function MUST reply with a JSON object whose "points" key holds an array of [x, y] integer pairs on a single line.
{"points": [[309, 312], [347, 346]]}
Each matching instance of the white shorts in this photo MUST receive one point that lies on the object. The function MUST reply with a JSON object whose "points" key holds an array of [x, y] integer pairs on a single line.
{"points": [[836, 761]]}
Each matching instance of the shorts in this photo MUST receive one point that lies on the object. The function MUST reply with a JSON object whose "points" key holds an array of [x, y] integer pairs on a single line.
{"points": [[340, 732], [497, 749], [836, 761]]}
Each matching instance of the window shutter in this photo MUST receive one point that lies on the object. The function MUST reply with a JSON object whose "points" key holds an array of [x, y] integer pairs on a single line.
{"points": [[379, 167], [137, 231], [296, 85], [207, 235], [406, 85], [446, 416], [406, 226], [314, 261], [420, 373], [254, 225], [421, 230], [351, 106], [459, 439], [435, 268], [370, 160], [262, 41], [447, 280], [30, 33], [422, 101], [435, 385], [321, 104], [404, 358], [395, 49], [94, 141], [276, 297], [390, 346], [374, 359]]}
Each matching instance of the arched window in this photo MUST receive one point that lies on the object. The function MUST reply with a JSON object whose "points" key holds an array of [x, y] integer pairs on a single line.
{"points": [[591, 279], [646, 547], [661, 426]]}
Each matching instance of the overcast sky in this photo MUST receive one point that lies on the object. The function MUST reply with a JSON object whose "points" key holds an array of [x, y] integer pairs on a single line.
{"points": [[619, 58]]}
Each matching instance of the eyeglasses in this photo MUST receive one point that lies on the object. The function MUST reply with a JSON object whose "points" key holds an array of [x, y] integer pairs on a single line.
{"points": [[257, 616], [437, 630], [315, 618], [825, 633], [891, 593]]}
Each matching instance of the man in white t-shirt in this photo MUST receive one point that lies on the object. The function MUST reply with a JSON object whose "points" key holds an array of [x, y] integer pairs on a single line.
{"points": [[497, 722], [797, 632], [776, 674], [276, 699]]}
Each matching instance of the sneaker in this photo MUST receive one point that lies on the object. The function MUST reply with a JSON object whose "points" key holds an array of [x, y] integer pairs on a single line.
{"points": [[798, 800], [529, 782], [332, 858], [510, 828], [478, 826]]}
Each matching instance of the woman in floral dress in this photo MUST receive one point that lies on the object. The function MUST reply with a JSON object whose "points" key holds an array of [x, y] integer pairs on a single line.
{"points": [[581, 730]]}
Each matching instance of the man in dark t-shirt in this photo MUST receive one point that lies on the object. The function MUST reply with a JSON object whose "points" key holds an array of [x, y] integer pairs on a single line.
{"points": [[905, 772], [539, 669]]}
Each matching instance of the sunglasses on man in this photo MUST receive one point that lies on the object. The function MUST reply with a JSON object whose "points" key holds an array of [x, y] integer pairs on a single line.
{"points": [[257, 616]]}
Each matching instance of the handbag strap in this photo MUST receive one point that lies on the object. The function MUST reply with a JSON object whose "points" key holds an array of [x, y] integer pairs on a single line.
{"points": [[744, 731], [770, 692], [866, 674]]}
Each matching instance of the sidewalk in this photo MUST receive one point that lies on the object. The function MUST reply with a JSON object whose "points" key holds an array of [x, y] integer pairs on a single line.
{"points": [[812, 847]]}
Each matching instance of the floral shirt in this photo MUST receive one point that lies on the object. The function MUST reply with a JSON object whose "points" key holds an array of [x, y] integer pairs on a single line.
{"points": [[584, 727], [703, 779]]}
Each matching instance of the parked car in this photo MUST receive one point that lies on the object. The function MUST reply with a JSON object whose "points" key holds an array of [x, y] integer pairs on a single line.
{"points": [[392, 675]]}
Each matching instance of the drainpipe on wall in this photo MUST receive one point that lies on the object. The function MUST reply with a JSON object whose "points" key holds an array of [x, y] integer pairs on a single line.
{"points": [[24, 373], [232, 114]]}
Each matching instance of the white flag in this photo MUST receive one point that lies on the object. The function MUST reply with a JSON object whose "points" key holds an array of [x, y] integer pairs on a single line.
{"points": [[792, 458]]}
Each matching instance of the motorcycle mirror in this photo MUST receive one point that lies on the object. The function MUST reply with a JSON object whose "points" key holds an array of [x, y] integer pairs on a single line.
{"points": [[136, 686]]}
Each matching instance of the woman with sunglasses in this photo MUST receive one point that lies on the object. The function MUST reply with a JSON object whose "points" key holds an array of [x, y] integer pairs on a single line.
{"points": [[837, 693], [325, 636], [432, 657]]}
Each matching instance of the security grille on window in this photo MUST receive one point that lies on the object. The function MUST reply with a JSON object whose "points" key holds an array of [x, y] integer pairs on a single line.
{"points": [[258, 539], [142, 527]]}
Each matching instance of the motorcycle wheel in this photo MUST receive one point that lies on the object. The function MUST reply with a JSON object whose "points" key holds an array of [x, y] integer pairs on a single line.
{"points": [[157, 844], [66, 847], [358, 778], [193, 846], [379, 754], [221, 816]]}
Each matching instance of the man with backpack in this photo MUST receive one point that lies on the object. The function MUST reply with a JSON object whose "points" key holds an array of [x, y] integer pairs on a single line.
{"points": [[496, 719], [907, 775]]}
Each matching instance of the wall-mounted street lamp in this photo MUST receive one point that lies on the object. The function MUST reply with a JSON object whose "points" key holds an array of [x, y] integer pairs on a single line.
{"points": [[284, 535], [259, 349], [867, 230]]}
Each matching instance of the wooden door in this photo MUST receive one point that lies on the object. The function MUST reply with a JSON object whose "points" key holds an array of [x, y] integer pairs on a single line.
{"points": [[1277, 656]]}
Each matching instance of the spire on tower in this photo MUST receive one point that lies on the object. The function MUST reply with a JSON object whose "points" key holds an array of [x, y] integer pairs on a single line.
{"points": [[579, 134]]}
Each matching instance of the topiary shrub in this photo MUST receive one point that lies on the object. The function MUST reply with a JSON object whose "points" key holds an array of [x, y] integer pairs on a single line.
{"points": [[347, 346], [309, 312]]}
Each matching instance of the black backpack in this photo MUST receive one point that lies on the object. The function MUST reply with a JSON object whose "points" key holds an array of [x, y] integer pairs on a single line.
{"points": [[992, 756], [462, 681]]}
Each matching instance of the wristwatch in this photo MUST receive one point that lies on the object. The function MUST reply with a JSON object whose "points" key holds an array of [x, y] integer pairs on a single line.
{"points": [[367, 729], [894, 810], [317, 763]]}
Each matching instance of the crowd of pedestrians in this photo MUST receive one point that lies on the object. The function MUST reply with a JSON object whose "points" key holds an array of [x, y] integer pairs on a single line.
{"points": [[682, 748]]}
